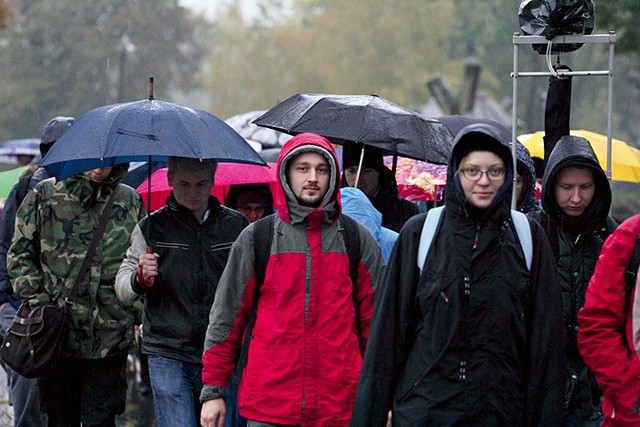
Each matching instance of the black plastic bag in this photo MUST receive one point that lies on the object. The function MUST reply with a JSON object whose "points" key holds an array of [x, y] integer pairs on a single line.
{"points": [[550, 18]]}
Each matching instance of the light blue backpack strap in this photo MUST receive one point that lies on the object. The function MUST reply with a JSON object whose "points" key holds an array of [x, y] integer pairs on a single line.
{"points": [[521, 224], [428, 232]]}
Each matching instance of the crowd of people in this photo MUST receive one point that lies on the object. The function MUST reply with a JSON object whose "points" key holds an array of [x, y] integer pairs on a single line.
{"points": [[331, 301]]}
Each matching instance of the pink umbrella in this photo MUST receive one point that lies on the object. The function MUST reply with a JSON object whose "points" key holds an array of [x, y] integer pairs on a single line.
{"points": [[418, 180], [226, 175]]}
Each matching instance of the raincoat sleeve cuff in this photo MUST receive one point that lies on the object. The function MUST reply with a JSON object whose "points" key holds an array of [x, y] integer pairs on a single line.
{"points": [[210, 392]]}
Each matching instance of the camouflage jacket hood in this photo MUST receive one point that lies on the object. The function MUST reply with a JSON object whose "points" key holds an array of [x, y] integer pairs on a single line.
{"points": [[54, 228]]}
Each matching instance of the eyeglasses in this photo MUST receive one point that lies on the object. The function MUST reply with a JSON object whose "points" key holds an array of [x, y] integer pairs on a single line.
{"points": [[258, 210], [475, 174]]}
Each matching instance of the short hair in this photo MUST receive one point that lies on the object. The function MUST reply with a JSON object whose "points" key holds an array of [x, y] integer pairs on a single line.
{"points": [[191, 164]]}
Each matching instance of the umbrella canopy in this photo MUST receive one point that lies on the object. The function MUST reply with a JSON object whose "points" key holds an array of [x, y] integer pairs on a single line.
{"points": [[136, 131], [367, 119], [264, 137], [226, 175], [418, 180], [625, 162], [11, 149]]}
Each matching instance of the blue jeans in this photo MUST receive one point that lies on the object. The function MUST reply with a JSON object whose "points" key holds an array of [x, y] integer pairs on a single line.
{"points": [[233, 417], [25, 393], [176, 387]]}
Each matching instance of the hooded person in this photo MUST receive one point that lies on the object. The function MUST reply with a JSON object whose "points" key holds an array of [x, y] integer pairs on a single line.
{"points": [[252, 200], [377, 182], [525, 181], [311, 319], [576, 200], [53, 232], [474, 338], [24, 391]]}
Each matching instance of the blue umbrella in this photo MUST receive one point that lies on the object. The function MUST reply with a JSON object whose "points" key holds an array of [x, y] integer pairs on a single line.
{"points": [[147, 130], [144, 131]]}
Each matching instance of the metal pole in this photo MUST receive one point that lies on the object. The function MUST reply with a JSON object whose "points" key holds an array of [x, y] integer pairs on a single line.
{"points": [[610, 107], [514, 125]]}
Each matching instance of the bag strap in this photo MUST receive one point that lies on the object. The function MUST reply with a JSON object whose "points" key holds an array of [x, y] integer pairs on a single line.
{"points": [[352, 243], [519, 220], [263, 236], [523, 231], [86, 263], [429, 228]]}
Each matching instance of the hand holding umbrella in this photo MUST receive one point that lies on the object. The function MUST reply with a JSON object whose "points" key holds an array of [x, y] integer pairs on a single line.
{"points": [[147, 268]]}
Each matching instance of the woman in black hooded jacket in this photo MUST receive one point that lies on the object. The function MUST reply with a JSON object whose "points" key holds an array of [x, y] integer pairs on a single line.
{"points": [[476, 338]]}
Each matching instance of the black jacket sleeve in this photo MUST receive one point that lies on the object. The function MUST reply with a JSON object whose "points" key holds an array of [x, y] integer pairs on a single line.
{"points": [[545, 370], [390, 336]]}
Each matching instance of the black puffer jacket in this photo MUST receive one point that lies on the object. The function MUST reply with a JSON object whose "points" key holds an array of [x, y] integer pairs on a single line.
{"points": [[576, 244], [476, 338]]}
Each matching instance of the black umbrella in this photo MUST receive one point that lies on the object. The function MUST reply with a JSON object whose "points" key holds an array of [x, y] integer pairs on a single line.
{"points": [[366, 119]]}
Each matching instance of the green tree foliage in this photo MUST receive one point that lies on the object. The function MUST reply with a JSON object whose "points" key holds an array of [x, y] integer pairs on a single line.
{"points": [[62, 57], [385, 47], [621, 16]]}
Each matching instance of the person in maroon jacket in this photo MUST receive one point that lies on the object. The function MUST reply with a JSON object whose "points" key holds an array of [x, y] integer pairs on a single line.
{"points": [[311, 320], [605, 335]]}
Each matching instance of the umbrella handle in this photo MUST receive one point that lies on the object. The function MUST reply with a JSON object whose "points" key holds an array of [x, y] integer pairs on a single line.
{"points": [[140, 277]]}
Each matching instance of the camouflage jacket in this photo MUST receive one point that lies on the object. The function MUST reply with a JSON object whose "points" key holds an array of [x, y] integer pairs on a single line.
{"points": [[54, 228]]}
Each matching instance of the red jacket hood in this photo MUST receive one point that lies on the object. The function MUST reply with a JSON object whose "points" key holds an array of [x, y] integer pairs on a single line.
{"points": [[323, 145]]}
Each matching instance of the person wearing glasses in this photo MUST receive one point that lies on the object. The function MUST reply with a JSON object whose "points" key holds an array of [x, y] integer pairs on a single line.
{"points": [[576, 200], [476, 337]]}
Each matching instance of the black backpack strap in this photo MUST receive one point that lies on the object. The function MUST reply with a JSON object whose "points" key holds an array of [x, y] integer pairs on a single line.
{"points": [[262, 238], [632, 268], [22, 188], [352, 242]]}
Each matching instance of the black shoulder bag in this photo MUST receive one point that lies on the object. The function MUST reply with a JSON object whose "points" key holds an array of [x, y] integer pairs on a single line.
{"points": [[34, 339]]}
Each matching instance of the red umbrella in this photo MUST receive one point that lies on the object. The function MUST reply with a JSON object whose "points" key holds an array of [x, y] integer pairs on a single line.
{"points": [[226, 175]]}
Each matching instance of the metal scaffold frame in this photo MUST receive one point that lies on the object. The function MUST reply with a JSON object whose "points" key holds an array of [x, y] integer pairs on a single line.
{"points": [[519, 40]]}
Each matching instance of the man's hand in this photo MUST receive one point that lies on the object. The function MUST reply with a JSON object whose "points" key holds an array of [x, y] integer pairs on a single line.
{"points": [[213, 413], [149, 264]]}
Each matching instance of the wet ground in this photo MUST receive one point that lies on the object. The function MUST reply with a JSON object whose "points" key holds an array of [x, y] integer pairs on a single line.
{"points": [[138, 412]]}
